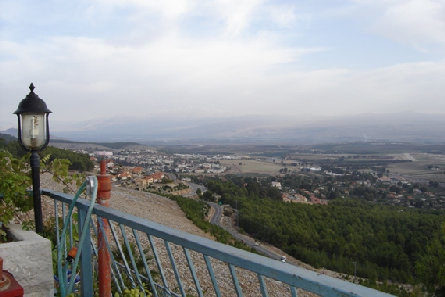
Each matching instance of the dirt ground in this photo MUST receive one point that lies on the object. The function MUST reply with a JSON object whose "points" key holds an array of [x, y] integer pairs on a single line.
{"points": [[418, 169], [251, 167]]}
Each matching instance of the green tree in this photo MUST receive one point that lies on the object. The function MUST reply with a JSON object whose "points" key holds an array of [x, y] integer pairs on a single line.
{"points": [[431, 266], [384, 241], [78, 161], [207, 196], [198, 192]]}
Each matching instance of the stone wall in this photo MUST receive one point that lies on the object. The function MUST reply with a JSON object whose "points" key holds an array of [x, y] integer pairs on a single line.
{"points": [[29, 260]]}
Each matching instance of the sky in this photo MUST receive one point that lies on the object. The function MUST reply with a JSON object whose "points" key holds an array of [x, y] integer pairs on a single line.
{"points": [[300, 59]]}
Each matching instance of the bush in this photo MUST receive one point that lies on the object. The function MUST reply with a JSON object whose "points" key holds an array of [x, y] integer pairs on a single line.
{"points": [[14, 180]]}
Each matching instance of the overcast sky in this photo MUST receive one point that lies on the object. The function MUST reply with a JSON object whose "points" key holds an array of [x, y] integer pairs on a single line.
{"points": [[186, 58]]}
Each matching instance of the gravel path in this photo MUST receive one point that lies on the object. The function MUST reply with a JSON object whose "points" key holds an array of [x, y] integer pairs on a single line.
{"points": [[155, 208]]}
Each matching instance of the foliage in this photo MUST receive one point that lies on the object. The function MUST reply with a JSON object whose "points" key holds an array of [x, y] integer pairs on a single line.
{"points": [[431, 266], [195, 211], [166, 180], [132, 293], [59, 169], [395, 289], [386, 242], [78, 161], [180, 186], [140, 266], [13, 147], [5, 138], [14, 180]]}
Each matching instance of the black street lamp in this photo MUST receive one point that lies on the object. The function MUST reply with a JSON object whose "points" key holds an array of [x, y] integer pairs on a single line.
{"points": [[33, 136]]}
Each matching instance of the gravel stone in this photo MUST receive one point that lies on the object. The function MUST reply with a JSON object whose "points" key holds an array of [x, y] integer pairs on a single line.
{"points": [[165, 211]]}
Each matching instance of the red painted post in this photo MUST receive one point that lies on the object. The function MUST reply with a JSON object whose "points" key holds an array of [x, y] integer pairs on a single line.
{"points": [[9, 287], [2, 280], [103, 198]]}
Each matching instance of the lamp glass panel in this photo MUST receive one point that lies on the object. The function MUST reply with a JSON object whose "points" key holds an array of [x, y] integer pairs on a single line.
{"points": [[33, 130]]}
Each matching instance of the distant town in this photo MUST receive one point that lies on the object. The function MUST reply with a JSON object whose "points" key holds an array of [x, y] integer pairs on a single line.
{"points": [[313, 178]]}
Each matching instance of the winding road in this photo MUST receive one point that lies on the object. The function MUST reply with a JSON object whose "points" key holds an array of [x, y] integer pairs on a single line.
{"points": [[216, 220]]}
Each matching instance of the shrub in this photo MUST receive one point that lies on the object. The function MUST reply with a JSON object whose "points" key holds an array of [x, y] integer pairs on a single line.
{"points": [[14, 180]]}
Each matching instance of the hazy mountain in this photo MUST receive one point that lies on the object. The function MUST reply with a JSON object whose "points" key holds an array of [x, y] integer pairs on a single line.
{"points": [[365, 127], [11, 131]]}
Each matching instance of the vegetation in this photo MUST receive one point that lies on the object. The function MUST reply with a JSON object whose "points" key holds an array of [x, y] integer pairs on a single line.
{"points": [[10, 144], [15, 177], [126, 293], [78, 161], [132, 293], [387, 243], [111, 145], [195, 211], [4, 138], [14, 180], [431, 266]]}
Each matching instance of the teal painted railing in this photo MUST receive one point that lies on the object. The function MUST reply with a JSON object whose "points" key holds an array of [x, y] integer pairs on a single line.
{"points": [[169, 262]]}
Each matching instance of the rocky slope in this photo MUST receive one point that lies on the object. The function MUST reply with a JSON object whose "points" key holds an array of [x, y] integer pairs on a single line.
{"points": [[165, 211]]}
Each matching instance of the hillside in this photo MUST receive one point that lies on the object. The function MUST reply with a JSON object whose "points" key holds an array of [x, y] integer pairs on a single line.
{"points": [[165, 211]]}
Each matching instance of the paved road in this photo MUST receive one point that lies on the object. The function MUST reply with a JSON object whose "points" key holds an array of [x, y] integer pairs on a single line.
{"points": [[216, 220], [193, 188]]}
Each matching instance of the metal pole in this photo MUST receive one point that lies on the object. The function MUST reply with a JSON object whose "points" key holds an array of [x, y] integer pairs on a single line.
{"points": [[104, 259], [35, 168], [86, 269]]}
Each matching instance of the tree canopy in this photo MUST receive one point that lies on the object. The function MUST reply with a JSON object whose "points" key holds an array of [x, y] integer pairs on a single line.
{"points": [[386, 243], [78, 161]]}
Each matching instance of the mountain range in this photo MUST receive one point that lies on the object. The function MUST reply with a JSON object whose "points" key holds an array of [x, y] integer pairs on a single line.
{"points": [[399, 127]]}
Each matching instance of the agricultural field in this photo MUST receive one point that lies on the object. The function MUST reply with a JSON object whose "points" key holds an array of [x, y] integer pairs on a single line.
{"points": [[252, 167], [423, 167]]}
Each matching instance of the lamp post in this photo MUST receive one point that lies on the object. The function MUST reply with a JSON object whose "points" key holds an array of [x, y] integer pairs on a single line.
{"points": [[33, 136]]}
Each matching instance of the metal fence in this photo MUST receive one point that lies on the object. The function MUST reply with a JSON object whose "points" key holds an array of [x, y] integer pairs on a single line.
{"points": [[161, 261]]}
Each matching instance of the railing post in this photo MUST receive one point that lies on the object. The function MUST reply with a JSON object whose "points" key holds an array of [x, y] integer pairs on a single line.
{"points": [[103, 198], [86, 269]]}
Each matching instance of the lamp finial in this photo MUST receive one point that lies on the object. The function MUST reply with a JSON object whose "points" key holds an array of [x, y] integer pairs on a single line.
{"points": [[31, 87]]}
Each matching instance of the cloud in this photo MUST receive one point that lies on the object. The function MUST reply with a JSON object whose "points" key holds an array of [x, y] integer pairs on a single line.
{"points": [[283, 16], [170, 9], [418, 23], [172, 75], [144, 58], [85, 78], [237, 15]]}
